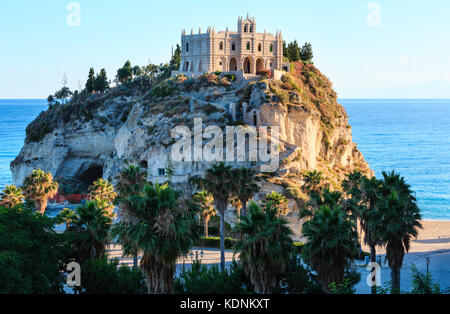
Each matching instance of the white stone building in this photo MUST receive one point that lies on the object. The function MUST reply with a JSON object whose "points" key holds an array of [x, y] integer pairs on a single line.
{"points": [[244, 52]]}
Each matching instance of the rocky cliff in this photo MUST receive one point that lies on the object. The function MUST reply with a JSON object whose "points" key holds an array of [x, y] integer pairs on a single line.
{"points": [[97, 135]]}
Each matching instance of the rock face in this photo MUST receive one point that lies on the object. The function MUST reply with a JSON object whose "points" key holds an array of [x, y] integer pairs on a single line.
{"points": [[98, 135]]}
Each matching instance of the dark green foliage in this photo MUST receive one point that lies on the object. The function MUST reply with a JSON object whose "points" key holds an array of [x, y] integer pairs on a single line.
{"points": [[100, 276], [265, 246], [201, 279], [125, 73], [292, 51], [231, 77], [101, 82], [89, 232], [32, 255], [297, 280], [332, 243], [176, 58], [306, 53], [63, 94], [424, 284], [397, 222], [90, 83], [347, 286]]}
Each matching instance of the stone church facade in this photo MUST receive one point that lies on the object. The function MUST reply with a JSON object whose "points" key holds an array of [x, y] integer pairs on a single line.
{"points": [[245, 51]]}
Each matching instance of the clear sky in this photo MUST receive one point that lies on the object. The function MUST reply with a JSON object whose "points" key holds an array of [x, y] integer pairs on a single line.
{"points": [[369, 49]]}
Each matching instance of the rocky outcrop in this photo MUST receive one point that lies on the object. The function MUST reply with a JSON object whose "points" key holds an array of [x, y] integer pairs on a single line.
{"points": [[98, 135]]}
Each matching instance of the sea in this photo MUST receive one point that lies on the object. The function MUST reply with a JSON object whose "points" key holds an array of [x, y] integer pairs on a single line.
{"points": [[410, 136]]}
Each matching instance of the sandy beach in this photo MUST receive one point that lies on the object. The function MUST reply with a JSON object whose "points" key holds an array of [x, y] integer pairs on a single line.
{"points": [[433, 243]]}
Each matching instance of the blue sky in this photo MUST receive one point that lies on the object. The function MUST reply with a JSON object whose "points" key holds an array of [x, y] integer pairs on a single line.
{"points": [[406, 55]]}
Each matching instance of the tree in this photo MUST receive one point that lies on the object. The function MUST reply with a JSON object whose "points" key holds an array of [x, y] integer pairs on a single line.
{"points": [[313, 181], [66, 216], [101, 83], [397, 222], [205, 200], [125, 73], [164, 229], [332, 242], [176, 58], [137, 71], [90, 231], [90, 83], [50, 100], [363, 192], [218, 181], [39, 187], [278, 201], [265, 248], [103, 276], [306, 53], [32, 254], [11, 196], [64, 93], [244, 185], [293, 51], [130, 181], [207, 279], [102, 192]]}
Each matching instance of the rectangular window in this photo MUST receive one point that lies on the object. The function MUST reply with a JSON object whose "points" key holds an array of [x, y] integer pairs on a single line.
{"points": [[161, 172]]}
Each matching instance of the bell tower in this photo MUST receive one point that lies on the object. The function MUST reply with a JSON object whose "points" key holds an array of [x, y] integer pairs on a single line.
{"points": [[247, 26]]}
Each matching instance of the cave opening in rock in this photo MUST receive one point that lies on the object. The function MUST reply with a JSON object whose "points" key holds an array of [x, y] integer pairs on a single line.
{"points": [[89, 176]]}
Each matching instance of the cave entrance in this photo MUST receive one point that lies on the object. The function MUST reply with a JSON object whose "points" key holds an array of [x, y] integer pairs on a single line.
{"points": [[88, 177]]}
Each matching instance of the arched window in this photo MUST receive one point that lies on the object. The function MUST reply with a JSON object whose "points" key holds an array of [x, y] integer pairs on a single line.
{"points": [[245, 29], [251, 29], [271, 47], [248, 45], [187, 47], [233, 46], [221, 45], [259, 47]]}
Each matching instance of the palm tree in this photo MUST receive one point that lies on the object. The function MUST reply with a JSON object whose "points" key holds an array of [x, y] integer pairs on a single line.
{"points": [[363, 192], [244, 185], [278, 201], [102, 192], [164, 229], [66, 216], [39, 187], [266, 246], [92, 225], [218, 181], [204, 200], [397, 222], [332, 242], [313, 180], [130, 181], [11, 196]]}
